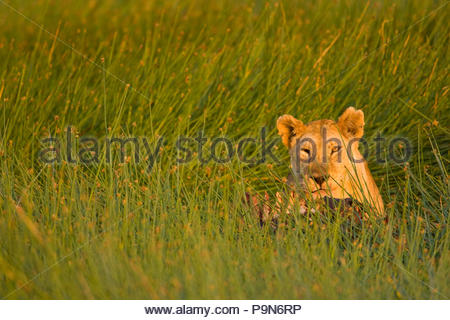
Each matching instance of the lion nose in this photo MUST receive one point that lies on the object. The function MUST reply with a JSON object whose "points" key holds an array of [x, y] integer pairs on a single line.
{"points": [[319, 179]]}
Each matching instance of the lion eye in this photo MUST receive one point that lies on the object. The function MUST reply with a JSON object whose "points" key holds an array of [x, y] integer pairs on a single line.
{"points": [[305, 150], [335, 149]]}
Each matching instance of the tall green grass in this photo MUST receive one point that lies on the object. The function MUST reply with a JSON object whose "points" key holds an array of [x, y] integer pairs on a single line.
{"points": [[227, 68]]}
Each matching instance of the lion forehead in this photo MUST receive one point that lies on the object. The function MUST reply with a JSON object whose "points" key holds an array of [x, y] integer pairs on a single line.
{"points": [[320, 129]]}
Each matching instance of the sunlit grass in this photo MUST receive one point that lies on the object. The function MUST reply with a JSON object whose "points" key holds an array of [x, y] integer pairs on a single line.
{"points": [[227, 68]]}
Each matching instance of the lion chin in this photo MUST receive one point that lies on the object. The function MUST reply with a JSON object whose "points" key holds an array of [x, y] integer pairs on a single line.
{"points": [[326, 162]]}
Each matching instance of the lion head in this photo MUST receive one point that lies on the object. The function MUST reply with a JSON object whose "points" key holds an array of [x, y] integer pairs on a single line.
{"points": [[325, 159]]}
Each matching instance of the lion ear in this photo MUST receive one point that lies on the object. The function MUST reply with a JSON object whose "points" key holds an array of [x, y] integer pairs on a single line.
{"points": [[288, 127], [351, 123]]}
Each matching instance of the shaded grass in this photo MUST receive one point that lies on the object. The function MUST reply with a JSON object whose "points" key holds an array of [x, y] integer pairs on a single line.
{"points": [[119, 231]]}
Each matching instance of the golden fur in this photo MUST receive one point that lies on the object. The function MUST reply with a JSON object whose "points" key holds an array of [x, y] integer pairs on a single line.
{"points": [[322, 154]]}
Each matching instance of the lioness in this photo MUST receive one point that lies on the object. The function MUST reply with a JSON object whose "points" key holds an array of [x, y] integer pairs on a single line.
{"points": [[325, 159]]}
